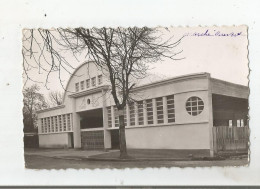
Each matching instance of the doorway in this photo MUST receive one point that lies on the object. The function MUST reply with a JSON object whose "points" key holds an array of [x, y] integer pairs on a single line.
{"points": [[115, 139]]}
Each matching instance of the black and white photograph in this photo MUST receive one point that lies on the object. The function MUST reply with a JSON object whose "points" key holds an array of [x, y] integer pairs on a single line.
{"points": [[135, 97], [129, 94]]}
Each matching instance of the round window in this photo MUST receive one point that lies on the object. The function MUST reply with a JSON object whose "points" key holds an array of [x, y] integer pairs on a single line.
{"points": [[194, 105], [88, 101]]}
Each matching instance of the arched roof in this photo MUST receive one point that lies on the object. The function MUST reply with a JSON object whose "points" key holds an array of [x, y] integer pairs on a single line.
{"points": [[81, 65]]}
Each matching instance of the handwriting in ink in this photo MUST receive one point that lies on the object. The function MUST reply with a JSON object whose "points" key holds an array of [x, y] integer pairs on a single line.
{"points": [[213, 33]]}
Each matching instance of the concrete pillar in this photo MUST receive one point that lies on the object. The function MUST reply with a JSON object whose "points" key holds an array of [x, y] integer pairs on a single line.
{"points": [[127, 115], [165, 110], [210, 117], [154, 112], [40, 123], [107, 134], [145, 113], [136, 113], [113, 116], [76, 126]]}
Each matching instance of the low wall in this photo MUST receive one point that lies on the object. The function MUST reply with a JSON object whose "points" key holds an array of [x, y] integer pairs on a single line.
{"points": [[55, 140], [191, 136]]}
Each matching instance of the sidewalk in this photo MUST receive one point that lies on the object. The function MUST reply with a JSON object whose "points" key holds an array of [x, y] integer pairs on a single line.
{"points": [[113, 155], [73, 154]]}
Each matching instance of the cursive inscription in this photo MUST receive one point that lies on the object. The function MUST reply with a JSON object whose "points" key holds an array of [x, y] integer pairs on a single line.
{"points": [[214, 33]]}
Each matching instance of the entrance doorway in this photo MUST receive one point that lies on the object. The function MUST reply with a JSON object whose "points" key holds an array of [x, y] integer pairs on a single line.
{"points": [[115, 139]]}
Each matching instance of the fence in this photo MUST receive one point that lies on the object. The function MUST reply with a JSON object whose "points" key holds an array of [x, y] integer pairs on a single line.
{"points": [[230, 138]]}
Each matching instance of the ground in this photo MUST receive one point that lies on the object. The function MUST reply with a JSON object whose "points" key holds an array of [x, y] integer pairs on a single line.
{"points": [[63, 159]]}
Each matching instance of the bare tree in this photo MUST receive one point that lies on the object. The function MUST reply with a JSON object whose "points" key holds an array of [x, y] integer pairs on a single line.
{"points": [[33, 101], [122, 53], [55, 98]]}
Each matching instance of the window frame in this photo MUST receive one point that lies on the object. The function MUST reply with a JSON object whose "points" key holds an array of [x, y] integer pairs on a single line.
{"points": [[94, 81], [194, 105]]}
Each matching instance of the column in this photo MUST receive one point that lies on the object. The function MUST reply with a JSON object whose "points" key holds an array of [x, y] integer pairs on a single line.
{"points": [[113, 116], [136, 113], [39, 123], [154, 112], [165, 110], [127, 115], [107, 134], [145, 113], [71, 125], [211, 142], [76, 128], [66, 118]]}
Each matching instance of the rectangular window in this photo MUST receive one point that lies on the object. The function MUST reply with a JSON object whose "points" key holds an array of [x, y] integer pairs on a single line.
{"points": [[77, 87], [149, 107], [52, 124], [49, 125], [45, 125], [82, 86], [170, 109], [42, 125], [56, 123], [116, 118], [132, 114], [140, 113], [64, 122], [93, 81], [87, 83], [100, 79], [109, 116], [60, 122], [159, 109], [69, 122]]}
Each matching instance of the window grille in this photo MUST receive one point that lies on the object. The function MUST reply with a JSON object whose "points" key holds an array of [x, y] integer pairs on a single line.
{"points": [[60, 123], [56, 124], [77, 87], [64, 123], [52, 125], [170, 109], [45, 125], [69, 122], [140, 113], [159, 108], [194, 105], [82, 86], [93, 81], [132, 114], [87, 83], [149, 107], [116, 118], [109, 116], [42, 124], [49, 125], [100, 79]]}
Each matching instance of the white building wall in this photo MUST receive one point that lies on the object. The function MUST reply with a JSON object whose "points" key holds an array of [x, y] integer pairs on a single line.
{"points": [[58, 140], [187, 136]]}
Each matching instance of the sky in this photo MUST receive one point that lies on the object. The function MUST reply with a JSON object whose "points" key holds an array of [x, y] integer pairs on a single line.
{"points": [[220, 51]]}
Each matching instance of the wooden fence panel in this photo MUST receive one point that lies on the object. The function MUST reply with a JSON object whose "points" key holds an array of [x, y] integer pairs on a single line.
{"points": [[230, 138]]}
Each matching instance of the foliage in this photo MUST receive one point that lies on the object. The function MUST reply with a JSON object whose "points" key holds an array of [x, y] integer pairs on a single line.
{"points": [[33, 101]]}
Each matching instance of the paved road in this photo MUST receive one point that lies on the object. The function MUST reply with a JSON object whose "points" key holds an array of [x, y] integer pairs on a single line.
{"points": [[40, 162]]}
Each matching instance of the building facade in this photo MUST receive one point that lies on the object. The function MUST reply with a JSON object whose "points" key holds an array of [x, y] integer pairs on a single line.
{"points": [[176, 113]]}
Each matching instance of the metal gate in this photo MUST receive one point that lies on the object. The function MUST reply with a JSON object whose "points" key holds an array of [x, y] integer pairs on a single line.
{"points": [[230, 138], [92, 140]]}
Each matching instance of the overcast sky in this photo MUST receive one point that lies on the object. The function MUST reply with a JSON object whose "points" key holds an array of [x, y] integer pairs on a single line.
{"points": [[204, 50]]}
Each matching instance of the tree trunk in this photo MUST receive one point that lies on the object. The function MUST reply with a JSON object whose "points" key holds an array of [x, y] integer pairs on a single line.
{"points": [[122, 139]]}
